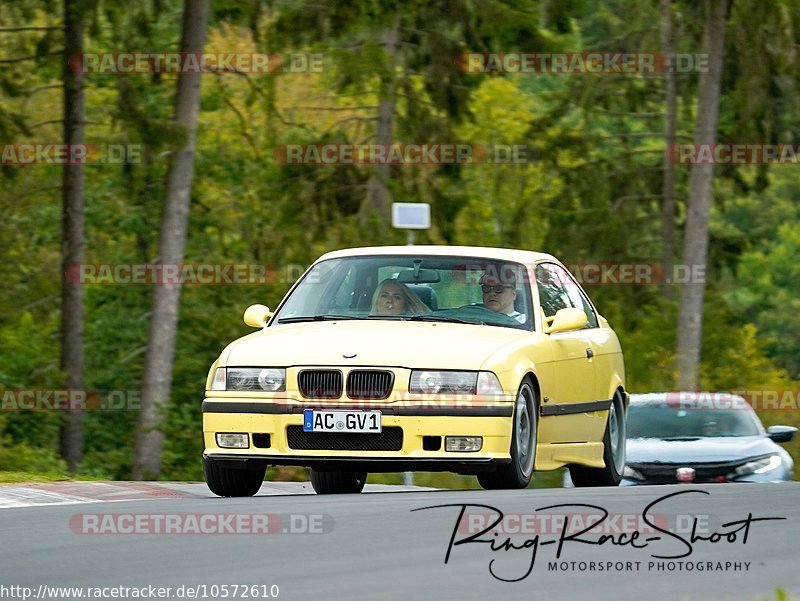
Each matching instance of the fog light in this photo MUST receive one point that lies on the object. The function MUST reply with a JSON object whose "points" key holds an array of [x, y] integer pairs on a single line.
{"points": [[226, 440], [463, 444]]}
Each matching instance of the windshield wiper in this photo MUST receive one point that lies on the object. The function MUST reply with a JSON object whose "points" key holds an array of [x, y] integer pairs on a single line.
{"points": [[428, 317], [323, 317], [680, 438]]}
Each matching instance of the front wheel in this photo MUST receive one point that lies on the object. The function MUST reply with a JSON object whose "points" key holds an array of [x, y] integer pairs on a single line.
{"points": [[517, 473], [613, 451], [337, 482], [227, 481]]}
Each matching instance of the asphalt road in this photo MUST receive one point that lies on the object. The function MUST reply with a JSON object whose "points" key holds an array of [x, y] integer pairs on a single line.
{"points": [[375, 546]]}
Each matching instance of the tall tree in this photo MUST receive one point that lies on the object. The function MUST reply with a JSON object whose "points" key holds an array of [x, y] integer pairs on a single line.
{"points": [[404, 53], [378, 193], [695, 248], [157, 382], [668, 176], [73, 236]]}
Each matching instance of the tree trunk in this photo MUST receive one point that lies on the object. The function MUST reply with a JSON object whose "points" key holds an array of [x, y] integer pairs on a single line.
{"points": [[172, 241], [378, 194], [695, 248], [668, 179], [72, 238]]}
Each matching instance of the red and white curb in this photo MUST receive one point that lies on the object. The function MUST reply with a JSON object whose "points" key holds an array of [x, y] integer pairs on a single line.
{"points": [[74, 493]]}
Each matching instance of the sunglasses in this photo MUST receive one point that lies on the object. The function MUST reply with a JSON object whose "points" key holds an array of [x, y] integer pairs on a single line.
{"points": [[497, 289]]}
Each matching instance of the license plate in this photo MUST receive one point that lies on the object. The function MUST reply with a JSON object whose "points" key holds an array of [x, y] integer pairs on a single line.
{"points": [[366, 422]]}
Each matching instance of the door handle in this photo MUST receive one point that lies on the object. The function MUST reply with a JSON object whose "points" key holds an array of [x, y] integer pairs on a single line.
{"points": [[589, 353]]}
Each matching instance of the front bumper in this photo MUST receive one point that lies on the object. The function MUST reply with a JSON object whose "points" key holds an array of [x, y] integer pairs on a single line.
{"points": [[492, 421]]}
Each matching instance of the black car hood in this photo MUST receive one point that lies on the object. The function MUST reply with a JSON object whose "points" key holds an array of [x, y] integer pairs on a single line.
{"points": [[700, 450]]}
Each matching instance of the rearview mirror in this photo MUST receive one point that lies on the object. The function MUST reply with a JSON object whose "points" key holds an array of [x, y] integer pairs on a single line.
{"points": [[257, 316], [781, 433], [424, 276], [566, 320]]}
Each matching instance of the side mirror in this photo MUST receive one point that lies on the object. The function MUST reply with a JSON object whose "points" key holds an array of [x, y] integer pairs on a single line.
{"points": [[781, 433], [565, 320], [257, 316]]}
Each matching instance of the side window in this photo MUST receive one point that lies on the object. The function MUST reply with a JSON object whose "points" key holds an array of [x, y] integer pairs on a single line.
{"points": [[552, 294], [587, 308], [577, 298]]}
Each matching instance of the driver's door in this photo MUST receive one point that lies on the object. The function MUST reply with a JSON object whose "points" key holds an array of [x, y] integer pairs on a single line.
{"points": [[563, 412]]}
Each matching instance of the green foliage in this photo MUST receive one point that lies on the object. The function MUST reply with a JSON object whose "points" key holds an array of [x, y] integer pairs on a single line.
{"points": [[23, 457], [30, 362], [503, 204], [767, 284]]}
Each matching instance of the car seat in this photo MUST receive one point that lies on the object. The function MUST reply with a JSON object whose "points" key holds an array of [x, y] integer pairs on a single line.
{"points": [[426, 294]]}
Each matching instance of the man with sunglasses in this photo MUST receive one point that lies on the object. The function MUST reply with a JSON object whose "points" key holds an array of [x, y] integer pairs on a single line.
{"points": [[499, 293]]}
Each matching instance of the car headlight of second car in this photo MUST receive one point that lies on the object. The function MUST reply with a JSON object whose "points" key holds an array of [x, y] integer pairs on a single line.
{"points": [[759, 466], [268, 379], [453, 382]]}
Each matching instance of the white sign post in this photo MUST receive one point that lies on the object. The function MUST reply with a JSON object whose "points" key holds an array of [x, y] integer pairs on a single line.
{"points": [[411, 216]]}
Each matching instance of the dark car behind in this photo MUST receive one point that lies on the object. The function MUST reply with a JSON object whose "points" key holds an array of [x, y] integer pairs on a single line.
{"points": [[688, 437]]}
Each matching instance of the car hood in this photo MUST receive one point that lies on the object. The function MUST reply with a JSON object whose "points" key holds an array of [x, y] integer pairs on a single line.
{"points": [[702, 450], [392, 343]]}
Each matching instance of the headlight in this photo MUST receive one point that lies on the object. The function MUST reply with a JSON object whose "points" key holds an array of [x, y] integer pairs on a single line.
{"points": [[270, 379], [759, 466], [443, 382], [454, 382]]}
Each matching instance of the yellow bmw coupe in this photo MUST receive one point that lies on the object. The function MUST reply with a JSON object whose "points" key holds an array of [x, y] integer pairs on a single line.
{"points": [[484, 361]]}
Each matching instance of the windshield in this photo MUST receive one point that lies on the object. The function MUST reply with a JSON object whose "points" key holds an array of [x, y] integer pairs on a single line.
{"points": [[660, 420], [412, 288]]}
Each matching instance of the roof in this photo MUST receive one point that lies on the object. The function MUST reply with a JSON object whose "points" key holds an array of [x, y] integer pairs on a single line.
{"points": [[525, 257]]}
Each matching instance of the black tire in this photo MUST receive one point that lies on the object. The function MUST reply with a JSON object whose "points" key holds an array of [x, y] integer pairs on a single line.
{"points": [[517, 473], [337, 482], [228, 481], [613, 451]]}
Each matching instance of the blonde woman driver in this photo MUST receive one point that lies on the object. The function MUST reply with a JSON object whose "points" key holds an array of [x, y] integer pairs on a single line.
{"points": [[394, 298]]}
